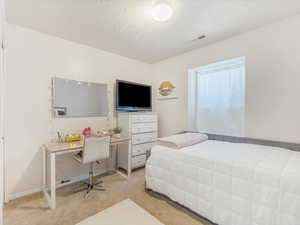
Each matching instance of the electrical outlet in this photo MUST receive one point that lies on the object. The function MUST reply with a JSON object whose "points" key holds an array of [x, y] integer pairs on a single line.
{"points": [[65, 181]]}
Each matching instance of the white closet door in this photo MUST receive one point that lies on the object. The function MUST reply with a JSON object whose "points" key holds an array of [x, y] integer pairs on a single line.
{"points": [[1, 113]]}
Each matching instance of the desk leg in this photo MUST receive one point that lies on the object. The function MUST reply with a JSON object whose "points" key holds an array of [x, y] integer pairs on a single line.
{"points": [[117, 163], [129, 160], [44, 170], [51, 198], [53, 181], [47, 196], [116, 157]]}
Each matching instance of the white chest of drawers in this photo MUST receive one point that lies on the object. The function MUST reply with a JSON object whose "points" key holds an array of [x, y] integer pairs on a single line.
{"points": [[141, 128]]}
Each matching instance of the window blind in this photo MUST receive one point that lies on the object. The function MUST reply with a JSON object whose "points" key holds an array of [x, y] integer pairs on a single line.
{"points": [[216, 98]]}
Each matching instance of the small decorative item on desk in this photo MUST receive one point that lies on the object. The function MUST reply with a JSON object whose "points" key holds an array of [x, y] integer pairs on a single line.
{"points": [[99, 133], [72, 137], [87, 132], [117, 132], [102, 133]]}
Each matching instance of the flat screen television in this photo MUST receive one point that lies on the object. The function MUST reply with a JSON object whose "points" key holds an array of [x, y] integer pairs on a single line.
{"points": [[133, 97]]}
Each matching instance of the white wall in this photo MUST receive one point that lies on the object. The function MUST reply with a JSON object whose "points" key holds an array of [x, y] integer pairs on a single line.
{"points": [[272, 80], [32, 58]]}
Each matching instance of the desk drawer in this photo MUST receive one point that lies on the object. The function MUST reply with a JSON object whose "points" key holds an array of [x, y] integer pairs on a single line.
{"points": [[138, 161], [143, 138], [141, 149], [143, 127], [143, 118]]}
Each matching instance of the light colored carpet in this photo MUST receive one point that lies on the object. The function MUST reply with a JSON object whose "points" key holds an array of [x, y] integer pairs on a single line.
{"points": [[125, 212], [73, 208]]}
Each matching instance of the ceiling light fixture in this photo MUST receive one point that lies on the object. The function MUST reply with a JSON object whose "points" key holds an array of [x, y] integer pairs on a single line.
{"points": [[162, 11]]}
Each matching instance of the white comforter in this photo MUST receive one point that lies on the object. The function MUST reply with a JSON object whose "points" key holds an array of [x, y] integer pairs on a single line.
{"points": [[230, 184]]}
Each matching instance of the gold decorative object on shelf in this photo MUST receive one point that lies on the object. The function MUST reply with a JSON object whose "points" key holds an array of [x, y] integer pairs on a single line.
{"points": [[166, 88], [72, 137]]}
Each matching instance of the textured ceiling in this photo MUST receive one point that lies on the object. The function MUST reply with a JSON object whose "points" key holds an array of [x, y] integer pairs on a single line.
{"points": [[125, 27]]}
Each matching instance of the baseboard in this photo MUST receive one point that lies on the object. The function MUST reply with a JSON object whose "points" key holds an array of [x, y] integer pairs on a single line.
{"points": [[22, 194], [39, 189]]}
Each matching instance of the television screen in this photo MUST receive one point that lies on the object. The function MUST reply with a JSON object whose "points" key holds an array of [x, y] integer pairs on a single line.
{"points": [[132, 96]]}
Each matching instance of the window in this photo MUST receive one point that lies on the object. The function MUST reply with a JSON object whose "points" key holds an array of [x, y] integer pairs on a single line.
{"points": [[216, 98]]}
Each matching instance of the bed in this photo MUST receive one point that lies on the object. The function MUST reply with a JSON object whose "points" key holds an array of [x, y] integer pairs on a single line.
{"points": [[229, 183]]}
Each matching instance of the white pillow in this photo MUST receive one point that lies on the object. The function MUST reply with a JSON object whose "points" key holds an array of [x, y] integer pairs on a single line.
{"points": [[182, 140]]}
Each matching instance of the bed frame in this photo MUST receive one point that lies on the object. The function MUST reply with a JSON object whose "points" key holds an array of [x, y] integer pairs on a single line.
{"points": [[182, 208], [279, 144]]}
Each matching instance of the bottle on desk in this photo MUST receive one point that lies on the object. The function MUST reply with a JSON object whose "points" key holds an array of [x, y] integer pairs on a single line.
{"points": [[60, 137]]}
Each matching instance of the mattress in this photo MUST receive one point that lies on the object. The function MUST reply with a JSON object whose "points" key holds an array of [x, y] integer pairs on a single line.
{"points": [[230, 183]]}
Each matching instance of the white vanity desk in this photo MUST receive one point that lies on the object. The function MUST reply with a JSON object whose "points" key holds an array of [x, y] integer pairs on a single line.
{"points": [[54, 149]]}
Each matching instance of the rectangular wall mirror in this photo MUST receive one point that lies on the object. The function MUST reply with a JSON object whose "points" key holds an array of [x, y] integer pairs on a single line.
{"points": [[73, 98]]}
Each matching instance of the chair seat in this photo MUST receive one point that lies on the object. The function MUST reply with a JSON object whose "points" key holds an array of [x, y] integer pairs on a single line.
{"points": [[95, 148]]}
